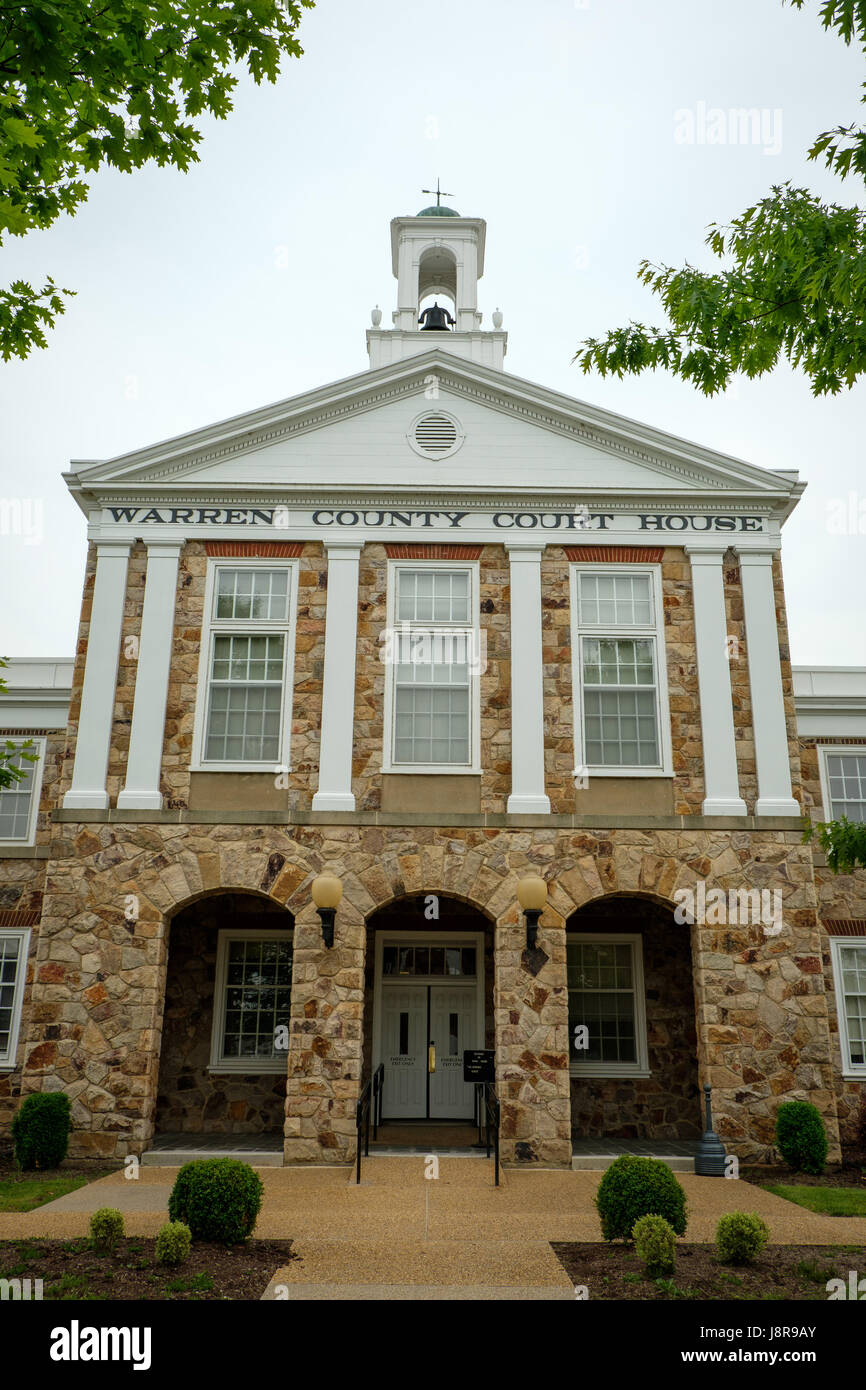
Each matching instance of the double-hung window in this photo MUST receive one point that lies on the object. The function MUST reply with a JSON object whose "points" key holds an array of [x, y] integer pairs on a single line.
{"points": [[13, 969], [246, 667], [432, 669], [19, 802], [621, 709], [606, 1012], [849, 972], [252, 1001], [844, 783]]}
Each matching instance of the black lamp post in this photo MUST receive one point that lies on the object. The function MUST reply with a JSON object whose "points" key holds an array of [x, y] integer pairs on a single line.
{"points": [[711, 1156]]}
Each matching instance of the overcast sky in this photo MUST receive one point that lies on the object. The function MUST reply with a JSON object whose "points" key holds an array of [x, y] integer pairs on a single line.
{"points": [[561, 122]]}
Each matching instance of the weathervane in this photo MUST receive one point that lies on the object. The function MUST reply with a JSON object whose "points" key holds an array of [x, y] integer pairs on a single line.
{"points": [[438, 193]]}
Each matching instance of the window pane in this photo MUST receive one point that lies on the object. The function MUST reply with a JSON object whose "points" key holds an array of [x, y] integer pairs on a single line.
{"points": [[16, 801], [252, 594], [10, 964], [257, 997], [846, 775], [623, 600]]}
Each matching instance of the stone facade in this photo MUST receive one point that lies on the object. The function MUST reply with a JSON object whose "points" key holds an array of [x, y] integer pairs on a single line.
{"points": [[98, 1019]]}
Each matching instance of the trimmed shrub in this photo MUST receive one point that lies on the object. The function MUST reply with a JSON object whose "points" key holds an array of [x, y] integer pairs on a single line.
{"points": [[655, 1242], [801, 1136], [633, 1187], [218, 1198], [106, 1228], [740, 1237], [40, 1130], [172, 1243]]}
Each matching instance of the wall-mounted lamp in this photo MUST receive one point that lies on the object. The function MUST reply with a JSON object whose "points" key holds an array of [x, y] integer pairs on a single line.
{"points": [[327, 891], [532, 896]]}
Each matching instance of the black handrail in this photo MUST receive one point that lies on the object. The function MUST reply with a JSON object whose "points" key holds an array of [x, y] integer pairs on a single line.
{"points": [[369, 1104], [488, 1121], [362, 1122], [378, 1088]]}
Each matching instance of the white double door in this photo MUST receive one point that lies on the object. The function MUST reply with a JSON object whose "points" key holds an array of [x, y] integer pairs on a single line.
{"points": [[425, 1031]]}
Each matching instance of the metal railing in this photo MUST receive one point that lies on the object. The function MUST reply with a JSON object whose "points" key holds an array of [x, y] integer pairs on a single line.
{"points": [[369, 1108], [488, 1108]]}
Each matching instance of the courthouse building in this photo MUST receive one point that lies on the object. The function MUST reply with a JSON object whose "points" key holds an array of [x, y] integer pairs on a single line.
{"points": [[435, 632]]}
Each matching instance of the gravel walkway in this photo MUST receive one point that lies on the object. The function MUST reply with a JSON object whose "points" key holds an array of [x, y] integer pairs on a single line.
{"points": [[400, 1235]]}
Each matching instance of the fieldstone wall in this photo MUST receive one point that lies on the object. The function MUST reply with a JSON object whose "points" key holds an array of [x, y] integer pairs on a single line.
{"points": [[668, 1105], [96, 1022], [370, 677]]}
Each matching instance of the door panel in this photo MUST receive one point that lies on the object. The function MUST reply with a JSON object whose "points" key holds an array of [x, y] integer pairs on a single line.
{"points": [[404, 1051], [453, 1029]]}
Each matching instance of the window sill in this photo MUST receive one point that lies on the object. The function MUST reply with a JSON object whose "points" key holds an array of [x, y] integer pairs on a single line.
{"points": [[607, 1073], [859, 1075], [248, 1068], [240, 767], [424, 771]]}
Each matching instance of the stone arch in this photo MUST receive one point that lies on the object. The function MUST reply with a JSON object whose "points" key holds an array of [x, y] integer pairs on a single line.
{"points": [[660, 1098], [189, 1097]]}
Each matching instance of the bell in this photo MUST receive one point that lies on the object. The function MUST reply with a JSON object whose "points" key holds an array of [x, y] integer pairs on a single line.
{"points": [[435, 317]]}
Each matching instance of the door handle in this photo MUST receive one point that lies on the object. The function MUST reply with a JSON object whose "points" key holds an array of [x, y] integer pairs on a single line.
{"points": [[431, 1056]]}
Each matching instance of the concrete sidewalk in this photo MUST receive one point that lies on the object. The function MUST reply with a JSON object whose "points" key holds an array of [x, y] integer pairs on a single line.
{"points": [[401, 1235]]}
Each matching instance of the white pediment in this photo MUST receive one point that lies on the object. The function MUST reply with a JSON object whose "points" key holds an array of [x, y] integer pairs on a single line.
{"points": [[356, 435]]}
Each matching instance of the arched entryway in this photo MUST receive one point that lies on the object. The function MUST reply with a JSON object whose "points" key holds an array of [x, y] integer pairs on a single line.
{"points": [[428, 998], [223, 1058], [634, 1070]]}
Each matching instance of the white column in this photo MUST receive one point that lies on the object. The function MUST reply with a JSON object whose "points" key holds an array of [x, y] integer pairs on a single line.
{"points": [[100, 679], [772, 756], [721, 784], [151, 683], [338, 691], [527, 683]]}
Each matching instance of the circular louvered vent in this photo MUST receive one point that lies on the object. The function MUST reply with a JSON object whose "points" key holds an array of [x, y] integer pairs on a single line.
{"points": [[436, 435]]}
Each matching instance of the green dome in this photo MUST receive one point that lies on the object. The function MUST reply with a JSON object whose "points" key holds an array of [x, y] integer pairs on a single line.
{"points": [[437, 212]]}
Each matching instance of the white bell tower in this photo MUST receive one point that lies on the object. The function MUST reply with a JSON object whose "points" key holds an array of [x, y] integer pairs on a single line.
{"points": [[437, 258]]}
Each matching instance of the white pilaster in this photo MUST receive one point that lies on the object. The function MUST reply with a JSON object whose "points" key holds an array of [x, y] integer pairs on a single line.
{"points": [[95, 720], [141, 790], [338, 687], [527, 683], [772, 756], [721, 784]]}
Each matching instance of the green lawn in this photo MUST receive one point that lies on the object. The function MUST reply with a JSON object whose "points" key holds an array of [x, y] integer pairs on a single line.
{"points": [[25, 1193], [830, 1201]]}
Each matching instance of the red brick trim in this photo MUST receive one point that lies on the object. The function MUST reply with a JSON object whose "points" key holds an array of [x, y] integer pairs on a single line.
{"points": [[813, 740], [271, 550], [844, 926], [616, 554], [433, 552], [10, 918]]}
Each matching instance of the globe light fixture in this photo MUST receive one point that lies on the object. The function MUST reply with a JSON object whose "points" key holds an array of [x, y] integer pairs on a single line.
{"points": [[327, 890], [532, 896]]}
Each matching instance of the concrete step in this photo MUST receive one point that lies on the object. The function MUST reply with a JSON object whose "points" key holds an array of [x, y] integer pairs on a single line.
{"points": [[598, 1162], [176, 1158]]}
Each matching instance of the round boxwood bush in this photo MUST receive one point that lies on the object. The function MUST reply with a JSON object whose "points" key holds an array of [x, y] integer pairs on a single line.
{"points": [[633, 1187], [172, 1243], [106, 1228], [801, 1136], [40, 1130], [655, 1242], [218, 1198], [740, 1237]]}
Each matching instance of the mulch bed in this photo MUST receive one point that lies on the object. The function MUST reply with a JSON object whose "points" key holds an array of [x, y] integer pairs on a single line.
{"points": [[798, 1272], [70, 1269], [848, 1175]]}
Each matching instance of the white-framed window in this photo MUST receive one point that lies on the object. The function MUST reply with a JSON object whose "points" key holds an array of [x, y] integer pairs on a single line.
{"points": [[243, 708], [252, 1001], [843, 782], [619, 671], [848, 955], [606, 997], [432, 666], [14, 945], [19, 802]]}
